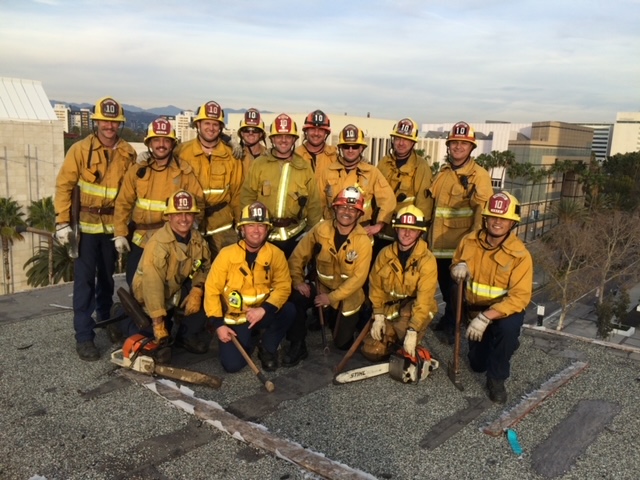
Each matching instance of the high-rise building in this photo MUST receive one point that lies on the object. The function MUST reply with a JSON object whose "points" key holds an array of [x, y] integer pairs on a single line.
{"points": [[601, 145], [626, 133], [62, 112]]}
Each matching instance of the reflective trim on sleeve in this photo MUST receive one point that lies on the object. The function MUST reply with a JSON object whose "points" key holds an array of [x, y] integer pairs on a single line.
{"points": [[152, 205], [486, 291], [447, 212]]}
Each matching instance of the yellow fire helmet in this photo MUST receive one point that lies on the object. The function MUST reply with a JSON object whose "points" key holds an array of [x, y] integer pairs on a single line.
{"points": [[463, 132], [109, 110], [283, 124], [410, 217], [209, 111], [160, 127], [254, 213], [252, 119], [351, 135], [502, 205], [181, 202], [406, 128]]}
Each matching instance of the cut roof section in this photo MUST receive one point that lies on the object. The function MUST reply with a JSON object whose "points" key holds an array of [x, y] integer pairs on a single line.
{"points": [[24, 100]]}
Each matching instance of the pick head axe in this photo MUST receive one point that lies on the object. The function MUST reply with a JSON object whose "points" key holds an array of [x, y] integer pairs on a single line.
{"points": [[453, 367], [268, 384]]}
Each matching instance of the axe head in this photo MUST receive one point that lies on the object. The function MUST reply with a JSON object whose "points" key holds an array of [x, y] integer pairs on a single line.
{"points": [[133, 309]]}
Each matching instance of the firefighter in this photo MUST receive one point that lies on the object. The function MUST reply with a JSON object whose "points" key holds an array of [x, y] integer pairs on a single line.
{"points": [[498, 272], [253, 139], [96, 166], [402, 288], [147, 185], [284, 182], [342, 252], [459, 191], [171, 273], [247, 289], [314, 148], [408, 174], [351, 170], [218, 172]]}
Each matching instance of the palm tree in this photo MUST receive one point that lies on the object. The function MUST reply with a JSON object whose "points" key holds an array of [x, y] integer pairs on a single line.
{"points": [[10, 217], [50, 264], [42, 214]]}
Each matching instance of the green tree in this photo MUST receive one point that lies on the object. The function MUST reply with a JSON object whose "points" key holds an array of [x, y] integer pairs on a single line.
{"points": [[50, 264], [42, 215], [10, 217]]}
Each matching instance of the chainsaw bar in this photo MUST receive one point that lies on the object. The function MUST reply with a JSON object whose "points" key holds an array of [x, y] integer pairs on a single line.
{"points": [[361, 373]]}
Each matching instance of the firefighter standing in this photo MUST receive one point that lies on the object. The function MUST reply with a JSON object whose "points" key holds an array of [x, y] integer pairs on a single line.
{"points": [[408, 174], [460, 191], [218, 172], [252, 139], [247, 288], [402, 288], [314, 148], [147, 185], [96, 165], [342, 252], [498, 272], [171, 273], [285, 183], [352, 171]]}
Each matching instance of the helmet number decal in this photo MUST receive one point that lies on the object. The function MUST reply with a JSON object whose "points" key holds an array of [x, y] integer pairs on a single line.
{"points": [[110, 108], [284, 124], [252, 117], [499, 204], [318, 118], [212, 110], [351, 134], [405, 128], [161, 126], [460, 130]]}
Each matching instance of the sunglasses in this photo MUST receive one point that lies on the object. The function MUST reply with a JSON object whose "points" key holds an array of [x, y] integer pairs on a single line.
{"points": [[350, 147], [250, 131]]}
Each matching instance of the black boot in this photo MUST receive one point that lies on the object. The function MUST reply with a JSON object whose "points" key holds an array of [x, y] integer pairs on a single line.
{"points": [[497, 392], [297, 352], [269, 360], [193, 344]]}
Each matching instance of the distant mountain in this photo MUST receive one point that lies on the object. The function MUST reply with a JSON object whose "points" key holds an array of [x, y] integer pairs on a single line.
{"points": [[168, 110], [157, 111]]}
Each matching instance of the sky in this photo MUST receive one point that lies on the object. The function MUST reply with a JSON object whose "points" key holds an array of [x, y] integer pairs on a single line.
{"points": [[434, 61]]}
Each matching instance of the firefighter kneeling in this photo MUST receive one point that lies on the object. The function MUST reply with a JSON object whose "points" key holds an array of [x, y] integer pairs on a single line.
{"points": [[402, 288], [171, 274], [247, 290], [498, 271]]}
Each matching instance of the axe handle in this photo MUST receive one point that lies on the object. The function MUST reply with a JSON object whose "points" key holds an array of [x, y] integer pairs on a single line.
{"points": [[325, 347], [188, 376], [268, 384], [456, 343], [354, 347]]}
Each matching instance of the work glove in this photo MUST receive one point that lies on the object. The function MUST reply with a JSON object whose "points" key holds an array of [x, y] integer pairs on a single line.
{"points": [[193, 301], [238, 151], [63, 230], [160, 333], [378, 327], [143, 157], [459, 272], [410, 341], [122, 244], [476, 328]]}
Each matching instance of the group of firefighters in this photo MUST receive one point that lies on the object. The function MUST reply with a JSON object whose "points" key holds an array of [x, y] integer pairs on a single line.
{"points": [[241, 238]]}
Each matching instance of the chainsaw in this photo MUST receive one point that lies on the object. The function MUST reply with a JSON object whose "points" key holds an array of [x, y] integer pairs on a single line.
{"points": [[401, 366], [137, 354]]}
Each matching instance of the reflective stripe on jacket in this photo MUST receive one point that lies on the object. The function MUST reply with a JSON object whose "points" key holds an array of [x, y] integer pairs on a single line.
{"points": [[164, 267], [341, 273], [144, 193], [459, 197], [267, 281], [501, 278], [288, 189], [389, 284], [220, 176], [99, 180]]}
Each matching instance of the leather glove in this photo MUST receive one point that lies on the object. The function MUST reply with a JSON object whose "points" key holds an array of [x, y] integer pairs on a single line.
{"points": [[378, 327], [193, 301], [63, 230], [122, 244], [410, 341], [143, 157], [459, 272], [476, 328], [160, 331]]}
